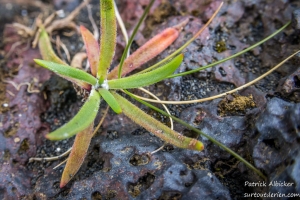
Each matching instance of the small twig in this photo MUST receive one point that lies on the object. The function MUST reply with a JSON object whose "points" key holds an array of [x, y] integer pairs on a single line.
{"points": [[13, 47], [59, 43], [51, 158], [66, 22], [26, 47], [36, 39], [58, 46], [69, 34], [101, 121], [95, 28], [78, 59], [122, 26], [121, 23], [11, 94], [50, 19], [157, 150], [24, 28], [63, 162], [17, 87], [38, 23], [165, 107], [11, 72]]}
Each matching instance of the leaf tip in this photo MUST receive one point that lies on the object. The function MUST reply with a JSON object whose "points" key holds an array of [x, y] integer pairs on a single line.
{"points": [[199, 146], [82, 28], [52, 136], [118, 111], [37, 61], [63, 184], [182, 24]]}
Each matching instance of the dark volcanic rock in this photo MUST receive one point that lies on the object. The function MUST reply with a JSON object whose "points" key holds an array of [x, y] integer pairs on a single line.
{"points": [[279, 138]]}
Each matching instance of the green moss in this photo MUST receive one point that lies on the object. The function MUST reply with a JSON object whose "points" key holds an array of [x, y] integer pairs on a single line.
{"points": [[220, 46]]}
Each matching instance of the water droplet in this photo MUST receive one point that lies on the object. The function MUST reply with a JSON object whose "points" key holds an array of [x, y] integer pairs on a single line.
{"points": [[24, 13], [61, 13], [5, 105]]}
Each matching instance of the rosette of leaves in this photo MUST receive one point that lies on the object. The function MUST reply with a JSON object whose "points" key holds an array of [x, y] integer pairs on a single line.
{"points": [[103, 85]]}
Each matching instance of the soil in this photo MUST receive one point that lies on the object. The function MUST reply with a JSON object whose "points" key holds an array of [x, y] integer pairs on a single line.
{"points": [[261, 123]]}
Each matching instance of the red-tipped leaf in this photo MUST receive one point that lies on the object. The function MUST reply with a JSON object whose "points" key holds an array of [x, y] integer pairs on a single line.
{"points": [[156, 127], [77, 155], [92, 49], [149, 50]]}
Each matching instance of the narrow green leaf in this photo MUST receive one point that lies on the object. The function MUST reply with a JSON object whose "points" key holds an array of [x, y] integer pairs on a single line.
{"points": [[80, 121], [77, 155], [156, 127], [108, 37], [92, 49], [147, 78], [67, 71], [49, 55], [46, 48], [110, 100]]}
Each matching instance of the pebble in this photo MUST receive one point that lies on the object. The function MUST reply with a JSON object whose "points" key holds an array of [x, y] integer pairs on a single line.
{"points": [[16, 140]]}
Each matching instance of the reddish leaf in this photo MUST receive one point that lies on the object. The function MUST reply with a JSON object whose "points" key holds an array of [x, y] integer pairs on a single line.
{"points": [[77, 155], [156, 127], [92, 49], [149, 50]]}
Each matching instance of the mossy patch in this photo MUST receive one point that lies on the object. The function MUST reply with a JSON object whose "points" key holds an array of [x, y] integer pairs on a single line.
{"points": [[220, 46], [11, 131], [24, 146], [235, 104]]}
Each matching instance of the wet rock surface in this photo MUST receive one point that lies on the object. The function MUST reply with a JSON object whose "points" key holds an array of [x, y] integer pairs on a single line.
{"points": [[119, 163]]}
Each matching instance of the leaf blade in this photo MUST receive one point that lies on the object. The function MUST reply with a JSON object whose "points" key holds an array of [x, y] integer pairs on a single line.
{"points": [[135, 30], [48, 54], [78, 154], [110, 100], [87, 112], [156, 127], [147, 78], [46, 48], [108, 38], [67, 71], [149, 50], [92, 49]]}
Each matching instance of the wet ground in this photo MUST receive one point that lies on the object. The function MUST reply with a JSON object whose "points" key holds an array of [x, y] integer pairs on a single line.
{"points": [[261, 123]]}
